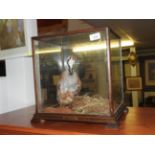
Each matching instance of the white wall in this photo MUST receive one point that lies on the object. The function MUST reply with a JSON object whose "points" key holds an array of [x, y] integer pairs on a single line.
{"points": [[3, 95], [17, 88]]}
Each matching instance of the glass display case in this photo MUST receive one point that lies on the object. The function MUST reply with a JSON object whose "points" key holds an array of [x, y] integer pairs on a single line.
{"points": [[78, 76]]}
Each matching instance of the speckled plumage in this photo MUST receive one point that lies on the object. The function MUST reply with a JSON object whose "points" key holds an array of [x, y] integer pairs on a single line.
{"points": [[68, 87]]}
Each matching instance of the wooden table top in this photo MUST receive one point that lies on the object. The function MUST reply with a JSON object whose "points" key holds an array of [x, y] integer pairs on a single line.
{"points": [[136, 121]]}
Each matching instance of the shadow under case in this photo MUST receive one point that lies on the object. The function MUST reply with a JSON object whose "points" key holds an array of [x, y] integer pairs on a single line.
{"points": [[78, 76]]}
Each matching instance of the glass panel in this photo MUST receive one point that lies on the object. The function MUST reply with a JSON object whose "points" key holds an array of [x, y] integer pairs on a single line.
{"points": [[48, 68], [72, 74], [117, 74]]}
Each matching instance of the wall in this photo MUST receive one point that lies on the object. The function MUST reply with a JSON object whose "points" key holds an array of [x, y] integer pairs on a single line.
{"points": [[17, 88], [76, 24]]}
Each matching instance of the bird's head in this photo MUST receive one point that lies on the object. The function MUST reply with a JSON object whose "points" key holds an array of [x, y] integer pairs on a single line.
{"points": [[71, 60]]}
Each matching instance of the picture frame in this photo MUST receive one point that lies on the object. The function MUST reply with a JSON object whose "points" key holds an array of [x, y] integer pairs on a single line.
{"points": [[12, 33], [150, 72], [30, 29], [133, 83]]}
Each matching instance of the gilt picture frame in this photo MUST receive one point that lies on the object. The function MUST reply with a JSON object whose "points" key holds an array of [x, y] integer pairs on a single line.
{"points": [[133, 83]]}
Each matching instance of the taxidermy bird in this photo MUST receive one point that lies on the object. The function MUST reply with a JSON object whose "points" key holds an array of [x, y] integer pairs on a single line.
{"points": [[69, 85]]}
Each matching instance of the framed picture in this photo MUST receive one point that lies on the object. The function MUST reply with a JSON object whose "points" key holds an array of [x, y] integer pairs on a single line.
{"points": [[133, 83], [150, 72], [15, 37], [12, 33]]}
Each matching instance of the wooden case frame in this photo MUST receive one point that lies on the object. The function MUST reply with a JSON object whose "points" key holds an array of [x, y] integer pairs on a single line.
{"points": [[114, 114]]}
